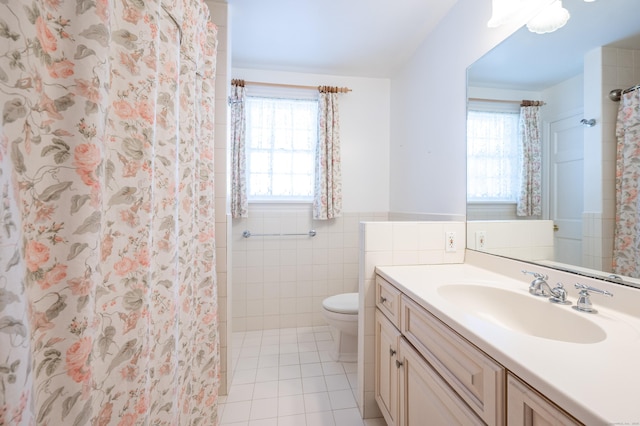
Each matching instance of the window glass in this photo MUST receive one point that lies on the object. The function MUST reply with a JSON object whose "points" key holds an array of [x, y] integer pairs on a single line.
{"points": [[281, 141], [492, 156]]}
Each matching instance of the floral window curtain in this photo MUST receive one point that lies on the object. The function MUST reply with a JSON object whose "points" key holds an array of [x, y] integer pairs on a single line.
{"points": [[108, 303], [327, 199], [626, 243], [239, 203], [529, 202]]}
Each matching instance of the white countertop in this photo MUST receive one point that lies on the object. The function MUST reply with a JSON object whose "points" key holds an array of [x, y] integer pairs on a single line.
{"points": [[598, 383]]}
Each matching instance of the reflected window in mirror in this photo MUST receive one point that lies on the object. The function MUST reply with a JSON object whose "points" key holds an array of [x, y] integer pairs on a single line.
{"points": [[492, 155]]}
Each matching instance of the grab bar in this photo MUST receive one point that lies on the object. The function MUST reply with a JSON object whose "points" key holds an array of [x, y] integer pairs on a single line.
{"points": [[248, 234]]}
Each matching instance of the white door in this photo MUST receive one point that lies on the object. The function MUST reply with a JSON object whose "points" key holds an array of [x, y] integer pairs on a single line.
{"points": [[566, 155]]}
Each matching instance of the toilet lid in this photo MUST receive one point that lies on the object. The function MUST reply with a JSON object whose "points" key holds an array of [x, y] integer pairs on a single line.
{"points": [[346, 303]]}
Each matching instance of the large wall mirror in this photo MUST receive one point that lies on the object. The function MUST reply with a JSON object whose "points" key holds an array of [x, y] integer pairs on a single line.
{"points": [[571, 71]]}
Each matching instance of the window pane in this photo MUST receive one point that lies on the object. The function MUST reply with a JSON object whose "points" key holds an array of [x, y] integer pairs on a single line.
{"points": [[282, 184], [260, 183], [260, 162], [303, 163], [303, 185], [282, 162]]}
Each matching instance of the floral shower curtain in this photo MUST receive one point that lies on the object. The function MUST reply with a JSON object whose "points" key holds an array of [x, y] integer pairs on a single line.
{"points": [[108, 311], [237, 100], [626, 250], [529, 201], [327, 199]]}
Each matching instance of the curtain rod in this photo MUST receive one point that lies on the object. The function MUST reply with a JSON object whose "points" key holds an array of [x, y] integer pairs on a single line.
{"points": [[521, 103], [293, 86], [616, 95]]}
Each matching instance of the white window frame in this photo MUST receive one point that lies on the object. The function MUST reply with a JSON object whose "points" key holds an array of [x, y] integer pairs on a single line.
{"points": [[287, 94]]}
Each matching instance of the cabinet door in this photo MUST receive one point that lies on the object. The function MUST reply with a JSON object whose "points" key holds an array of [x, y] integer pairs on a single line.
{"points": [[425, 399], [527, 407], [386, 372], [475, 377]]}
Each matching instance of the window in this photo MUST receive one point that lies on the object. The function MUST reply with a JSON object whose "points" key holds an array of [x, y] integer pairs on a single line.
{"points": [[492, 156], [281, 141]]}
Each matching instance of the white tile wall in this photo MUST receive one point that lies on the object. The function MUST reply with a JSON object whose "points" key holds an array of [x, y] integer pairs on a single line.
{"points": [[280, 282], [219, 16], [526, 240], [606, 69], [394, 243]]}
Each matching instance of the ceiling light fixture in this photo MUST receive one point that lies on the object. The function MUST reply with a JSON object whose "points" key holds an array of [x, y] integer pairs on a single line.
{"points": [[550, 19], [507, 11], [503, 11]]}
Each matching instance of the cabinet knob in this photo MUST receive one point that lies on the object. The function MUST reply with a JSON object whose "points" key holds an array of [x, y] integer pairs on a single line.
{"points": [[398, 364], [383, 299], [392, 351]]}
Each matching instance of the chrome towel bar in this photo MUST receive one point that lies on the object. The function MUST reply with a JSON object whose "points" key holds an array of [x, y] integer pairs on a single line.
{"points": [[248, 234]]}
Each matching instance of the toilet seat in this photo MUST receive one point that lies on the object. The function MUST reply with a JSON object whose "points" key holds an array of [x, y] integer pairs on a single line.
{"points": [[346, 303]]}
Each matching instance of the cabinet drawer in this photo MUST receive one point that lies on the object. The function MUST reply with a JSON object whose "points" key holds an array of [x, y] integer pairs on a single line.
{"points": [[473, 375], [388, 300]]}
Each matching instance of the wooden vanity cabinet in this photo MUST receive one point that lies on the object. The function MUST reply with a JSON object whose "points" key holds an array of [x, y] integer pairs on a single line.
{"points": [[408, 390], [427, 374]]}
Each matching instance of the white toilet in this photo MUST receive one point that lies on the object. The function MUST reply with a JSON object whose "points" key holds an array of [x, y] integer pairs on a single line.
{"points": [[341, 313]]}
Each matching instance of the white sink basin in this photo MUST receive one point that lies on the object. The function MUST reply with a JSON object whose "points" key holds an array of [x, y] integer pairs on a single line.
{"points": [[523, 313]]}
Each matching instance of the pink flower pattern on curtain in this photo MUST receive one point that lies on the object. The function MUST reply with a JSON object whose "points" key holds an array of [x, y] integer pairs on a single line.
{"points": [[626, 243], [108, 300], [529, 202], [239, 202], [327, 198]]}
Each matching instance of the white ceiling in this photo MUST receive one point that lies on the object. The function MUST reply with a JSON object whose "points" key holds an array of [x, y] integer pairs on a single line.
{"points": [[364, 38], [372, 38], [529, 61]]}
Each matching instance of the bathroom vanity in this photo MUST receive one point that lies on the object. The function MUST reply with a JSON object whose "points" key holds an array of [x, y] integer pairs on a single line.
{"points": [[459, 344]]}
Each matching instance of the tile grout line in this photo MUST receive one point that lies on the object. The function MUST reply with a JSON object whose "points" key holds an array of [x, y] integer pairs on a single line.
{"points": [[319, 392]]}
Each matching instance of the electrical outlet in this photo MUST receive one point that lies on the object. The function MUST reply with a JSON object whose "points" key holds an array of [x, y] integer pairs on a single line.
{"points": [[450, 241], [481, 240]]}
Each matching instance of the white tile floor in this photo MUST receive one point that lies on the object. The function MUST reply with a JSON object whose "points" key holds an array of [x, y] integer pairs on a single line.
{"points": [[286, 378]]}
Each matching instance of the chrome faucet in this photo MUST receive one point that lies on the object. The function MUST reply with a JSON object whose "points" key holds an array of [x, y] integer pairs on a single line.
{"points": [[540, 287], [584, 302], [537, 285]]}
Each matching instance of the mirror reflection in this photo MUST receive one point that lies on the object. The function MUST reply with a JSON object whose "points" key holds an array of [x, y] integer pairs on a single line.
{"points": [[543, 189]]}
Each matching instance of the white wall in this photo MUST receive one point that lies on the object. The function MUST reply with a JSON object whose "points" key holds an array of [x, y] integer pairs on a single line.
{"points": [[563, 99], [428, 112], [364, 133]]}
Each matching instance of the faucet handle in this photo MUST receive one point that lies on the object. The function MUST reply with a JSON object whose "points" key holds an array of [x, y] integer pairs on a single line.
{"points": [[584, 302], [537, 285], [536, 275]]}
